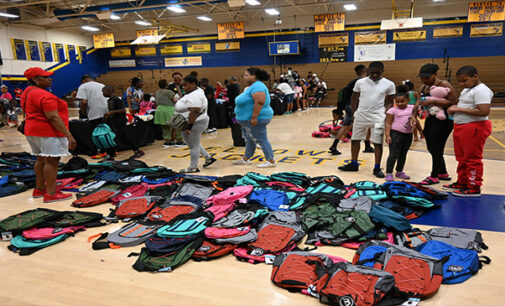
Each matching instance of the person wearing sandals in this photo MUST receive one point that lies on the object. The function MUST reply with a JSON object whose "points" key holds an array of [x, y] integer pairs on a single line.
{"points": [[253, 113], [436, 132], [193, 107]]}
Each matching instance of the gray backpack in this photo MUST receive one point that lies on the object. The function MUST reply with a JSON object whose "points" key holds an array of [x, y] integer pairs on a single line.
{"points": [[249, 237], [458, 237], [194, 190], [132, 234], [363, 203]]}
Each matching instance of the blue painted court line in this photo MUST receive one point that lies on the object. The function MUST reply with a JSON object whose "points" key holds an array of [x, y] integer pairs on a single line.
{"points": [[484, 213]]}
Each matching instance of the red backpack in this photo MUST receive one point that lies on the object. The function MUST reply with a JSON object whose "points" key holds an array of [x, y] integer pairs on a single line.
{"points": [[134, 207], [166, 214], [210, 250], [95, 198], [130, 192]]}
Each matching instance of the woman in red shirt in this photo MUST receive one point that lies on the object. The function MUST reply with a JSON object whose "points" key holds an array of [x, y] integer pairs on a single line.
{"points": [[46, 129]]}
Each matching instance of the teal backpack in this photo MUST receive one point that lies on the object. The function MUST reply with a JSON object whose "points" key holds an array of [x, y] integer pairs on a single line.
{"points": [[184, 227], [254, 179], [103, 137], [25, 246]]}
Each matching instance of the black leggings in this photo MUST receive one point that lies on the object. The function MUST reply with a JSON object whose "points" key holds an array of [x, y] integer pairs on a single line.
{"points": [[436, 133], [398, 149], [120, 131]]}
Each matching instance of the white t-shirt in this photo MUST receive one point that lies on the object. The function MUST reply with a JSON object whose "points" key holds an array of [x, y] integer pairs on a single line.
{"points": [[97, 103], [324, 84], [373, 94], [469, 98], [285, 89], [196, 98]]}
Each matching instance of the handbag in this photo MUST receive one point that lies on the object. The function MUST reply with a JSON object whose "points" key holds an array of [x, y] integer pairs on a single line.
{"points": [[21, 127], [178, 122]]}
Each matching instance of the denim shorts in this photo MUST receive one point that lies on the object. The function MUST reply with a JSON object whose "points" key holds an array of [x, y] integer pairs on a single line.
{"points": [[48, 146]]}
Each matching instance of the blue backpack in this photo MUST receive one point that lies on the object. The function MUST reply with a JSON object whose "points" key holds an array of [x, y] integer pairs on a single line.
{"points": [[404, 189], [461, 264], [273, 199], [103, 137]]}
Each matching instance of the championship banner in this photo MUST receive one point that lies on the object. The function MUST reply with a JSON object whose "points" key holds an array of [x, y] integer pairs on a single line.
{"points": [[486, 11], [103, 40], [367, 38], [59, 52], [18, 49], [71, 53], [183, 61], [121, 52], [329, 22], [369, 53], [83, 55], [231, 30], [337, 39], [145, 51], [170, 49], [147, 32], [122, 63], [486, 29], [228, 46], [199, 48], [32, 50], [454, 31], [332, 54], [409, 35], [46, 51]]}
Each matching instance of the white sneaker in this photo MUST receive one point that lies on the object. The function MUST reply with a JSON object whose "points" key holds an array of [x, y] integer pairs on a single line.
{"points": [[267, 164], [242, 162]]}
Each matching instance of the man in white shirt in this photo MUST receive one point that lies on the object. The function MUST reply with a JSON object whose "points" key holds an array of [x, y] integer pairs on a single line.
{"points": [[93, 103], [288, 93], [371, 98]]}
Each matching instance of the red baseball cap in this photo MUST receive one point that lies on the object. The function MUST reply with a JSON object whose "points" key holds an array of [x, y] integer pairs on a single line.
{"points": [[30, 73]]}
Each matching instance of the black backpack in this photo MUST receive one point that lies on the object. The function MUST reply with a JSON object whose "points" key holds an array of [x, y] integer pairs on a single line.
{"points": [[128, 165]]}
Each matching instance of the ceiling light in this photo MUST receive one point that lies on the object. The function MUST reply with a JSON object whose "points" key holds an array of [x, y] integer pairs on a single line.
{"points": [[350, 7], [115, 17], [204, 18], [438, 0], [272, 11], [90, 28], [143, 23], [8, 15], [176, 9], [252, 2]]}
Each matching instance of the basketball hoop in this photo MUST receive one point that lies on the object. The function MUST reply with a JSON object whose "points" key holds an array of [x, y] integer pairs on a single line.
{"points": [[401, 21]]}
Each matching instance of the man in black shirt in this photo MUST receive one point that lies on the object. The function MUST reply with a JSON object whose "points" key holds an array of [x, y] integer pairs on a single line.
{"points": [[116, 119], [232, 91], [211, 107]]}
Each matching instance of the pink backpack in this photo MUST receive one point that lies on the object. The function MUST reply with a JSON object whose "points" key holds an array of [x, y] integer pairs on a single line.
{"points": [[220, 211], [219, 232], [69, 183], [318, 134], [50, 232], [230, 195], [130, 192]]}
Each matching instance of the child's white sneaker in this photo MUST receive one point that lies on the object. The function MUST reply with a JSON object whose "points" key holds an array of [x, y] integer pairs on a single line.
{"points": [[267, 164], [242, 162]]}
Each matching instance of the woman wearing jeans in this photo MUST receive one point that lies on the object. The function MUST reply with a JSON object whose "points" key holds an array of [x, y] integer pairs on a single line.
{"points": [[253, 112], [193, 107]]}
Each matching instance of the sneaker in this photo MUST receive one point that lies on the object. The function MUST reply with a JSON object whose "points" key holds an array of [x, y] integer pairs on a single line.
{"points": [[189, 170], [267, 164], [57, 196], [137, 154], [468, 192], [378, 173], [168, 143], [349, 167], [402, 175], [179, 143], [335, 152], [345, 140], [429, 181], [444, 177], [369, 150], [241, 162], [37, 193], [209, 162], [99, 155], [455, 186], [389, 177]]}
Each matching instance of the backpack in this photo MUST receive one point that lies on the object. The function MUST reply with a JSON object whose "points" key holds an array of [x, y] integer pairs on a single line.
{"points": [[176, 207], [227, 181], [241, 215], [46, 233], [254, 179], [412, 239], [210, 250], [416, 274], [390, 219], [130, 192], [413, 202], [15, 224], [156, 262], [347, 284], [134, 207], [191, 224], [103, 137], [131, 234], [432, 192], [459, 237], [128, 165], [75, 163], [92, 186], [164, 191], [167, 245], [220, 211], [406, 211], [194, 190], [404, 189], [12, 189], [250, 236], [111, 176], [285, 186], [218, 232], [375, 194], [296, 271], [25, 246], [76, 218], [272, 199], [230, 195], [296, 178], [319, 134], [95, 198], [461, 264]]}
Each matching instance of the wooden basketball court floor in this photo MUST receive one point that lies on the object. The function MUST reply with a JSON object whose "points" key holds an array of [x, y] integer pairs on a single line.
{"points": [[72, 273]]}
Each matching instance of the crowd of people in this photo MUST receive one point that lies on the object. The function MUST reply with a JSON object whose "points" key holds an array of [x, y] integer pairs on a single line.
{"points": [[371, 107]]}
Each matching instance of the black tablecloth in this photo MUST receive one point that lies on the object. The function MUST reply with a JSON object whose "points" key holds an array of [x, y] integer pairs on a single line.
{"points": [[222, 115], [141, 133]]}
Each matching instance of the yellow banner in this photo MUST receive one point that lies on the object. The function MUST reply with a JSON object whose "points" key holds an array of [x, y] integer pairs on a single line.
{"points": [[183, 61], [121, 52], [103, 40], [231, 30], [147, 32], [199, 48], [486, 29], [373, 37], [145, 51], [454, 31], [338, 39], [170, 49], [486, 11], [409, 35], [329, 22], [228, 46]]}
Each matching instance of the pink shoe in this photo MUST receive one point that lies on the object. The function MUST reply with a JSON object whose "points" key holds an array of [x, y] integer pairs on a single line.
{"points": [[345, 140], [429, 181], [57, 196], [37, 193], [402, 175], [389, 177]]}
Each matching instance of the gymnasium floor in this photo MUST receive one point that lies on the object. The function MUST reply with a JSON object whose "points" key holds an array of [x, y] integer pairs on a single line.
{"points": [[72, 273]]}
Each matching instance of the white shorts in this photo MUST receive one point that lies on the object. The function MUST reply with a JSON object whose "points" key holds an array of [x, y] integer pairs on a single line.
{"points": [[373, 122], [48, 146]]}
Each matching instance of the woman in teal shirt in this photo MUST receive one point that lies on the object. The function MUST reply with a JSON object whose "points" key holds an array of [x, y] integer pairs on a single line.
{"points": [[253, 113]]}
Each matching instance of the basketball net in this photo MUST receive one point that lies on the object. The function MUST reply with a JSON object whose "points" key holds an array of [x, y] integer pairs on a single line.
{"points": [[401, 21]]}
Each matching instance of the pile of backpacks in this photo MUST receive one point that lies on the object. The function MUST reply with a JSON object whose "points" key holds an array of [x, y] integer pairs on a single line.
{"points": [[262, 219]]}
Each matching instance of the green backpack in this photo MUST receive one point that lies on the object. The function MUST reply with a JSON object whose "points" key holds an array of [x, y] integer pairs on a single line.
{"points": [[155, 262], [15, 224], [413, 201], [77, 218], [25, 246], [103, 137]]}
